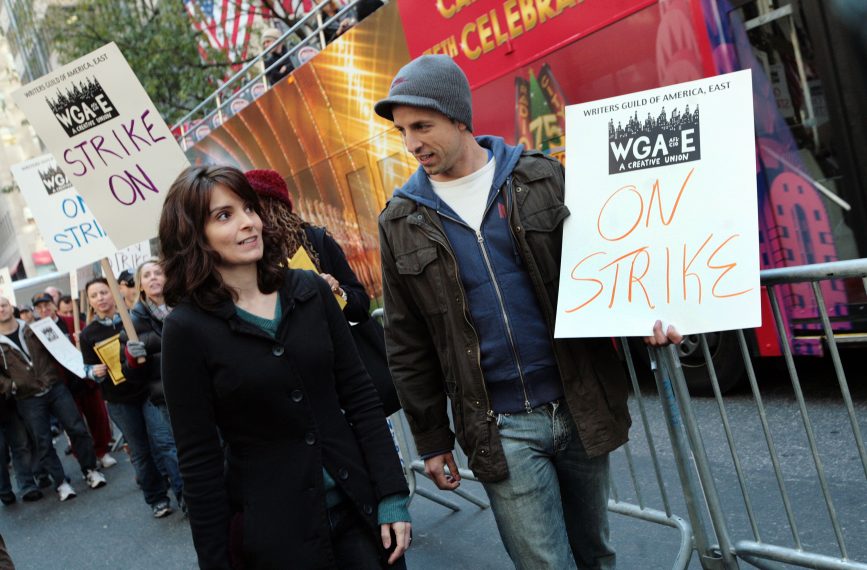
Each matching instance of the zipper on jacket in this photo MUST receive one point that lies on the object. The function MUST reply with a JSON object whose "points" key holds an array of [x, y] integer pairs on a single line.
{"points": [[481, 241], [489, 413]]}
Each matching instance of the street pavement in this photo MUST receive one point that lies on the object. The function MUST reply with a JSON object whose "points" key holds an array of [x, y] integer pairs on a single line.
{"points": [[112, 527]]}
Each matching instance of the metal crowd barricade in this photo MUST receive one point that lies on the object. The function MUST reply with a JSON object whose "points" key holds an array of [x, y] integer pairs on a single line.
{"points": [[759, 551], [708, 528]]}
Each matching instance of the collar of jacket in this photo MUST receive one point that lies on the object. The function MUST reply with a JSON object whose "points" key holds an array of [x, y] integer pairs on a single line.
{"points": [[5, 340], [296, 287]]}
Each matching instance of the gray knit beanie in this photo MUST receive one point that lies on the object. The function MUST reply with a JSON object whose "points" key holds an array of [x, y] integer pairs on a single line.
{"points": [[431, 82]]}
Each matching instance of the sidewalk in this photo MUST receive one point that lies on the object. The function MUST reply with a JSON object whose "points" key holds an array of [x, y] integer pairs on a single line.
{"points": [[112, 528]]}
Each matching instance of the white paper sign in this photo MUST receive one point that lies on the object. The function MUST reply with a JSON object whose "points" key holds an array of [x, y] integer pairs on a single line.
{"points": [[6, 289], [130, 257], [661, 187], [73, 235], [109, 139], [58, 345]]}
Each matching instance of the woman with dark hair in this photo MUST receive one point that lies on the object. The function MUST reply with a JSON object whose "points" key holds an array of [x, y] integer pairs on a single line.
{"points": [[147, 317], [128, 405], [293, 233], [261, 359]]}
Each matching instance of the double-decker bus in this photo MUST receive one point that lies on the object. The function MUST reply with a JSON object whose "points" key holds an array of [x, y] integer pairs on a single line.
{"points": [[527, 59]]}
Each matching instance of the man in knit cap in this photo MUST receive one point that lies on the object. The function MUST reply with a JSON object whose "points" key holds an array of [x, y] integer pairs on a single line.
{"points": [[471, 262], [277, 61]]}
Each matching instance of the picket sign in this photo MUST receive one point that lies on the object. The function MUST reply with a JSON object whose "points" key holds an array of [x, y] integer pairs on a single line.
{"points": [[6, 289], [663, 224], [111, 144]]}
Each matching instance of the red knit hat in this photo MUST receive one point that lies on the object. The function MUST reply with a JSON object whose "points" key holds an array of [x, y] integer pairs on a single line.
{"points": [[269, 184]]}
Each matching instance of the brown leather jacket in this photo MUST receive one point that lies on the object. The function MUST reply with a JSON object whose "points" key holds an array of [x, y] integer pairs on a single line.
{"points": [[434, 354], [31, 373]]}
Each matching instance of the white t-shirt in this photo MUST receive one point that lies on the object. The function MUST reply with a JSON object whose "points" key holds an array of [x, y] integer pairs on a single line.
{"points": [[468, 196]]}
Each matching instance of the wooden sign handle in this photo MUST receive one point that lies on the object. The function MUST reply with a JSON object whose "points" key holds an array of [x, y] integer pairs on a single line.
{"points": [[121, 304]]}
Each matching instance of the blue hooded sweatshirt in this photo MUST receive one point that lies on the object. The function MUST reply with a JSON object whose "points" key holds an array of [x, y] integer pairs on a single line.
{"points": [[517, 355]]}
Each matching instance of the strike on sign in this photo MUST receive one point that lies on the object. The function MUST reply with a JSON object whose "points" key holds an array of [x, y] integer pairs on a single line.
{"points": [[127, 141], [641, 260]]}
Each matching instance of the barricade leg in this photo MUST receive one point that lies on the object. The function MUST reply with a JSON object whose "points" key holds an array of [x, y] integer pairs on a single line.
{"points": [[710, 558]]}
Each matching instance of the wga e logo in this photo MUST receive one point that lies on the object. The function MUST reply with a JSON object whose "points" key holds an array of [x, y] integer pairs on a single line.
{"points": [[54, 180], [655, 142], [83, 107]]}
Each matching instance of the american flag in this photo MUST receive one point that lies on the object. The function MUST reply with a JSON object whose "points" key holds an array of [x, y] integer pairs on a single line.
{"points": [[226, 24]]}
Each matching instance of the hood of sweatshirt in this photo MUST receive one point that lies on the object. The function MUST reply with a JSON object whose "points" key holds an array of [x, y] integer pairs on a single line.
{"points": [[419, 188]]}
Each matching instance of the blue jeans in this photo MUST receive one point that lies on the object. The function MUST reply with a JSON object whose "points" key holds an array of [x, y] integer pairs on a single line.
{"points": [[13, 435], [134, 421], [552, 510], [163, 445], [37, 412]]}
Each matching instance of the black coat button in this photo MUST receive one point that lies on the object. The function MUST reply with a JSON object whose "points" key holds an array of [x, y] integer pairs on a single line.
{"points": [[297, 395], [343, 474], [310, 438], [368, 510], [278, 350]]}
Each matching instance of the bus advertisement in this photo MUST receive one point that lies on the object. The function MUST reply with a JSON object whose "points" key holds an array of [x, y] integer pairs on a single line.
{"points": [[526, 60]]}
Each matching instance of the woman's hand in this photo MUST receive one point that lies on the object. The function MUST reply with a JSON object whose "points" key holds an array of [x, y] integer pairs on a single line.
{"points": [[99, 370], [332, 282], [402, 535]]}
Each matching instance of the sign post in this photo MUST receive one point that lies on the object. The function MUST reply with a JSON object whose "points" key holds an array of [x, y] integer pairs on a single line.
{"points": [[661, 187]]}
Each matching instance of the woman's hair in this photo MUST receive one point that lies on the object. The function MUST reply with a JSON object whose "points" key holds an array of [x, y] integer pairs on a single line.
{"points": [[289, 229], [94, 281], [91, 312], [141, 294], [189, 262]]}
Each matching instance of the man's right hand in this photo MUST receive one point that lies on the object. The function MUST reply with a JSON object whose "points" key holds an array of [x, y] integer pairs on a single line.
{"points": [[435, 466]]}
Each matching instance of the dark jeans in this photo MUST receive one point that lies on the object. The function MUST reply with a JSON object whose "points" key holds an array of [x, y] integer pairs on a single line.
{"points": [[58, 402], [354, 545], [13, 435], [132, 419]]}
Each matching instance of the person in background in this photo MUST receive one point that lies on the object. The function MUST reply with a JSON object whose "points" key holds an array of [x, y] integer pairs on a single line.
{"points": [[55, 294], [338, 26], [128, 403], [26, 314], [276, 56], [14, 438], [64, 306], [30, 373], [83, 390], [470, 261], [147, 318], [328, 257], [128, 290], [261, 358]]}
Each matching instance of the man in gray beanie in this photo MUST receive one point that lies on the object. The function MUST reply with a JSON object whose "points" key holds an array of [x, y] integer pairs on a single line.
{"points": [[470, 262]]}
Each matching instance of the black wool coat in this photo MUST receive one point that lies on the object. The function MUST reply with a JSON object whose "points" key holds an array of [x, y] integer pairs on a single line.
{"points": [[286, 409]]}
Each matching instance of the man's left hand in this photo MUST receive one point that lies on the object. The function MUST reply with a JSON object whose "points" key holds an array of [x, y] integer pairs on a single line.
{"points": [[661, 339]]}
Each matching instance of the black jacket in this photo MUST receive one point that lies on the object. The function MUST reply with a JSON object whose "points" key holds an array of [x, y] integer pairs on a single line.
{"points": [[126, 392], [285, 409], [366, 332], [150, 332]]}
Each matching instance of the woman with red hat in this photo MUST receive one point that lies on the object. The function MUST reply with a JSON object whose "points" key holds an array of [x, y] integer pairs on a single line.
{"points": [[293, 233]]}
